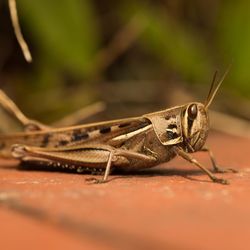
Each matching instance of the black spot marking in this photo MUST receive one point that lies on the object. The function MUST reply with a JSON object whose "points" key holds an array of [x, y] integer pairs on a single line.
{"points": [[2, 145], [123, 125], [171, 135], [63, 142], [45, 140], [78, 135], [105, 130], [172, 126]]}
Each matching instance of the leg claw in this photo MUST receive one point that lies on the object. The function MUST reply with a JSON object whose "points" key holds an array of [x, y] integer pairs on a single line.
{"points": [[224, 170], [221, 181]]}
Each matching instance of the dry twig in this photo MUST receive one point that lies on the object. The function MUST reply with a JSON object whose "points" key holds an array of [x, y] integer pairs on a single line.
{"points": [[120, 43], [18, 33]]}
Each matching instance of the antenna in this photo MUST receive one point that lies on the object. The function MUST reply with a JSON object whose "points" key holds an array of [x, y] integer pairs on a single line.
{"points": [[212, 92], [211, 87]]}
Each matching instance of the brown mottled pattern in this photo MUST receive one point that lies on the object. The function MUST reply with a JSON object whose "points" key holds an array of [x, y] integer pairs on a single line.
{"points": [[71, 136]]}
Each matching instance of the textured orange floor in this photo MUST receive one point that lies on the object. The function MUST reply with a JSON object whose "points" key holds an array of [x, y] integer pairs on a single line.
{"points": [[173, 206]]}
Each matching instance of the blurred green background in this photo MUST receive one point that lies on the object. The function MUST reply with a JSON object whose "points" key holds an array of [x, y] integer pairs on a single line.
{"points": [[136, 56]]}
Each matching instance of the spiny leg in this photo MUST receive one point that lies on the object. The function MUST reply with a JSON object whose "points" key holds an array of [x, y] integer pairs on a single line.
{"points": [[107, 170], [81, 153], [60, 157], [217, 168], [189, 158], [124, 153], [106, 173]]}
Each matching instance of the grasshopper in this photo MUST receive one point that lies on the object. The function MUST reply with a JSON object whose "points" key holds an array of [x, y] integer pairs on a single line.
{"points": [[131, 143]]}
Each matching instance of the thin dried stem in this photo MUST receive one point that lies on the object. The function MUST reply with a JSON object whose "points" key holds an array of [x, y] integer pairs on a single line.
{"points": [[80, 115], [120, 43], [17, 29]]}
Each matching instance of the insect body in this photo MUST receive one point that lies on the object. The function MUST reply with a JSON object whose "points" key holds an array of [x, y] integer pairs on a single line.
{"points": [[132, 143]]}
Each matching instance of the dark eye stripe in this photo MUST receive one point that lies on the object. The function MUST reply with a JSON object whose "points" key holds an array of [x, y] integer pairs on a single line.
{"points": [[190, 125], [191, 114], [187, 123]]}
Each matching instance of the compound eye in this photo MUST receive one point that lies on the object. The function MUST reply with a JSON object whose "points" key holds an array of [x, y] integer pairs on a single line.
{"points": [[192, 111]]}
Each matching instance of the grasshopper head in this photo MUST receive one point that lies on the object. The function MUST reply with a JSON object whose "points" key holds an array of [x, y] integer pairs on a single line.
{"points": [[195, 125], [195, 122]]}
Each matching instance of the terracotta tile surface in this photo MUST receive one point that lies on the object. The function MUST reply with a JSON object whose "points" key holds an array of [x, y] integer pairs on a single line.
{"points": [[173, 206]]}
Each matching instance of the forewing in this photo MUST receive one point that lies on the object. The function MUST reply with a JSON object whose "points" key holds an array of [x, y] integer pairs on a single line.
{"points": [[96, 132]]}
